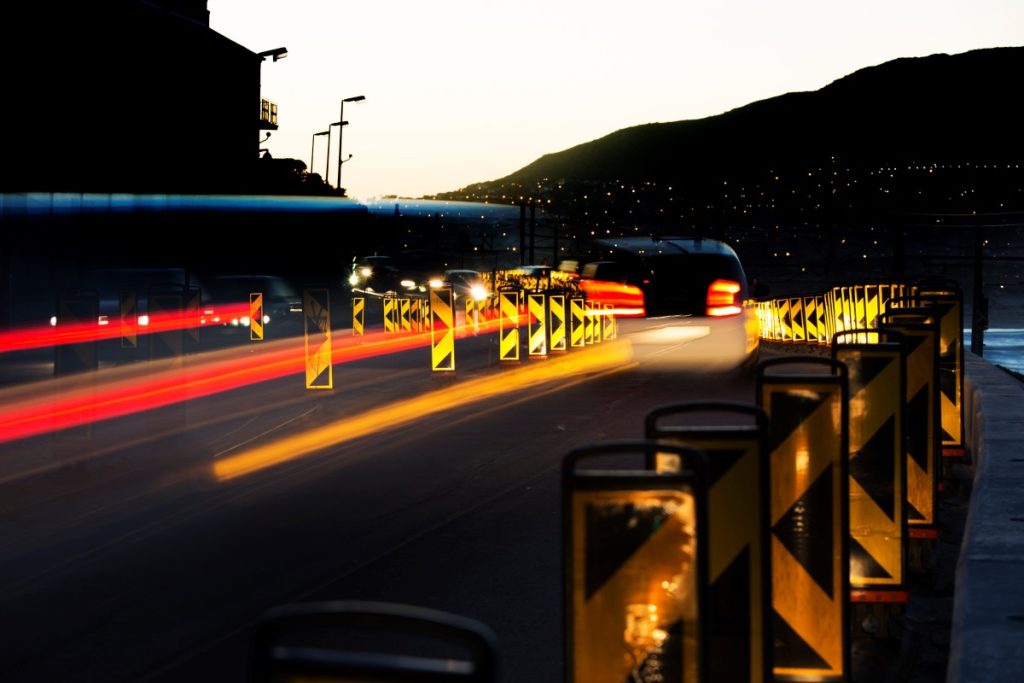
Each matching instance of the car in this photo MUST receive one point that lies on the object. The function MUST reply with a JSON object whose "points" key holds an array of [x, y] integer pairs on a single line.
{"points": [[694, 296], [374, 275], [226, 304], [466, 284]]}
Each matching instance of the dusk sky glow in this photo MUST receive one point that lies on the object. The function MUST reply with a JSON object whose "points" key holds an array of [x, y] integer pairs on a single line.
{"points": [[461, 91]]}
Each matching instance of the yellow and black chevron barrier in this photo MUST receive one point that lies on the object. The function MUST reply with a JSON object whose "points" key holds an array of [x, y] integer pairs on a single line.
{"points": [[166, 342], [608, 325], [878, 486], [316, 310], [128, 307], [588, 324], [358, 316], [536, 325], [577, 322], [390, 315], [635, 568], [796, 317], [919, 328], [739, 566], [76, 311], [556, 321], [442, 330], [255, 316], [508, 325], [404, 321], [947, 300], [809, 535]]}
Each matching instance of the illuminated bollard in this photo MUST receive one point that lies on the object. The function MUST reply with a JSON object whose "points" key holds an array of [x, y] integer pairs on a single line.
{"points": [[919, 327], [577, 323], [358, 316], [557, 322], [508, 325], [255, 316], [947, 299], [739, 566], [878, 488], [536, 325], [390, 315], [316, 312], [635, 566], [442, 330], [808, 493]]}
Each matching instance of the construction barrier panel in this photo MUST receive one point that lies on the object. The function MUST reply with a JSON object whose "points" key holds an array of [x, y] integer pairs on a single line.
{"points": [[357, 642], [405, 322], [810, 529], [577, 323], [948, 301], [536, 325], [878, 487], [165, 304], [255, 316], [81, 311], [796, 316], [556, 322], [192, 307], [508, 325], [739, 568], [316, 310], [608, 328], [390, 315], [128, 309], [588, 324], [919, 328], [442, 330], [635, 568], [358, 316]]}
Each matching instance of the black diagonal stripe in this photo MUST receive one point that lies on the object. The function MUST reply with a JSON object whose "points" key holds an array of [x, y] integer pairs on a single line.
{"points": [[864, 369], [791, 650], [730, 622], [721, 460], [663, 663], [913, 341], [917, 427], [321, 379], [867, 565], [613, 533], [806, 530], [913, 513], [872, 466], [788, 411], [445, 362]]}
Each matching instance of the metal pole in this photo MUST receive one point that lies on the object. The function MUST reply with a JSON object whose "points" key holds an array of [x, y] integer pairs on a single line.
{"points": [[327, 164], [341, 128], [522, 234], [533, 230], [311, 148], [979, 305]]}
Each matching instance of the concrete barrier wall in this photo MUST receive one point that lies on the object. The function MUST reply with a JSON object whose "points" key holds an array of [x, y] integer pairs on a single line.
{"points": [[987, 638]]}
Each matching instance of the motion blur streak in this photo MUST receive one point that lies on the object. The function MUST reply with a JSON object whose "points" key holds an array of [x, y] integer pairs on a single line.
{"points": [[627, 300], [53, 405], [607, 356], [41, 336]]}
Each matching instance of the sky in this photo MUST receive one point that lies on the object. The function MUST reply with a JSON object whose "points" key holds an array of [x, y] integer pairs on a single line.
{"points": [[465, 91]]}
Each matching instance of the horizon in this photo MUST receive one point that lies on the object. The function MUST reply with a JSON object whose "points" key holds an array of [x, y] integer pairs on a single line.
{"points": [[471, 64]]}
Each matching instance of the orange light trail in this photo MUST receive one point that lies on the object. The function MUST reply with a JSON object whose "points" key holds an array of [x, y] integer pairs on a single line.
{"points": [[627, 300], [33, 410], [614, 355]]}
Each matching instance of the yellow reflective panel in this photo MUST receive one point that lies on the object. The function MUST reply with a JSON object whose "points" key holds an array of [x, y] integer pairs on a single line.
{"points": [[256, 316], [536, 326], [556, 322], [442, 330], [508, 325], [358, 316], [577, 327], [316, 310], [634, 613]]}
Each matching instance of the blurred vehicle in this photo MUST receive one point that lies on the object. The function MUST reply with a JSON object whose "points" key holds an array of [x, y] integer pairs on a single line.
{"points": [[109, 284], [466, 284], [226, 303], [373, 275], [693, 292]]}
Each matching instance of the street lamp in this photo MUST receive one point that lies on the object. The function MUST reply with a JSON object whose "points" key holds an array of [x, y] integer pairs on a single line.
{"points": [[327, 166], [277, 53], [311, 148], [341, 117]]}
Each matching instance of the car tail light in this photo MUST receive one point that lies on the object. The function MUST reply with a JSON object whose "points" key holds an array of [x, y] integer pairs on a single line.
{"points": [[724, 298]]}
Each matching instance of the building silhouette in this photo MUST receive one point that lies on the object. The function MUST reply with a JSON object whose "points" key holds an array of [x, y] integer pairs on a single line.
{"points": [[126, 96]]}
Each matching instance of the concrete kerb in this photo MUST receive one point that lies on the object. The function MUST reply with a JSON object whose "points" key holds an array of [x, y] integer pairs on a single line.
{"points": [[987, 636]]}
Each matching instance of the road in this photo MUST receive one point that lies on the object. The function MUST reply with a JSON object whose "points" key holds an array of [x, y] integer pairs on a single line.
{"points": [[145, 546]]}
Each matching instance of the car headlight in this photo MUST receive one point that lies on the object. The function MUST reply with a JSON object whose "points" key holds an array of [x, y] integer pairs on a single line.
{"points": [[478, 292], [435, 283], [407, 283], [353, 279], [366, 272]]}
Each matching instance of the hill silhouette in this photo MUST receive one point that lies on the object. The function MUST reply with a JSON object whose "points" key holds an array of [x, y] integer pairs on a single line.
{"points": [[941, 107]]}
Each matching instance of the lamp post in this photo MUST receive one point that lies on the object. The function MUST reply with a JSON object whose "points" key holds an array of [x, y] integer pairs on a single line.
{"points": [[275, 54], [341, 117], [327, 166], [312, 147]]}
